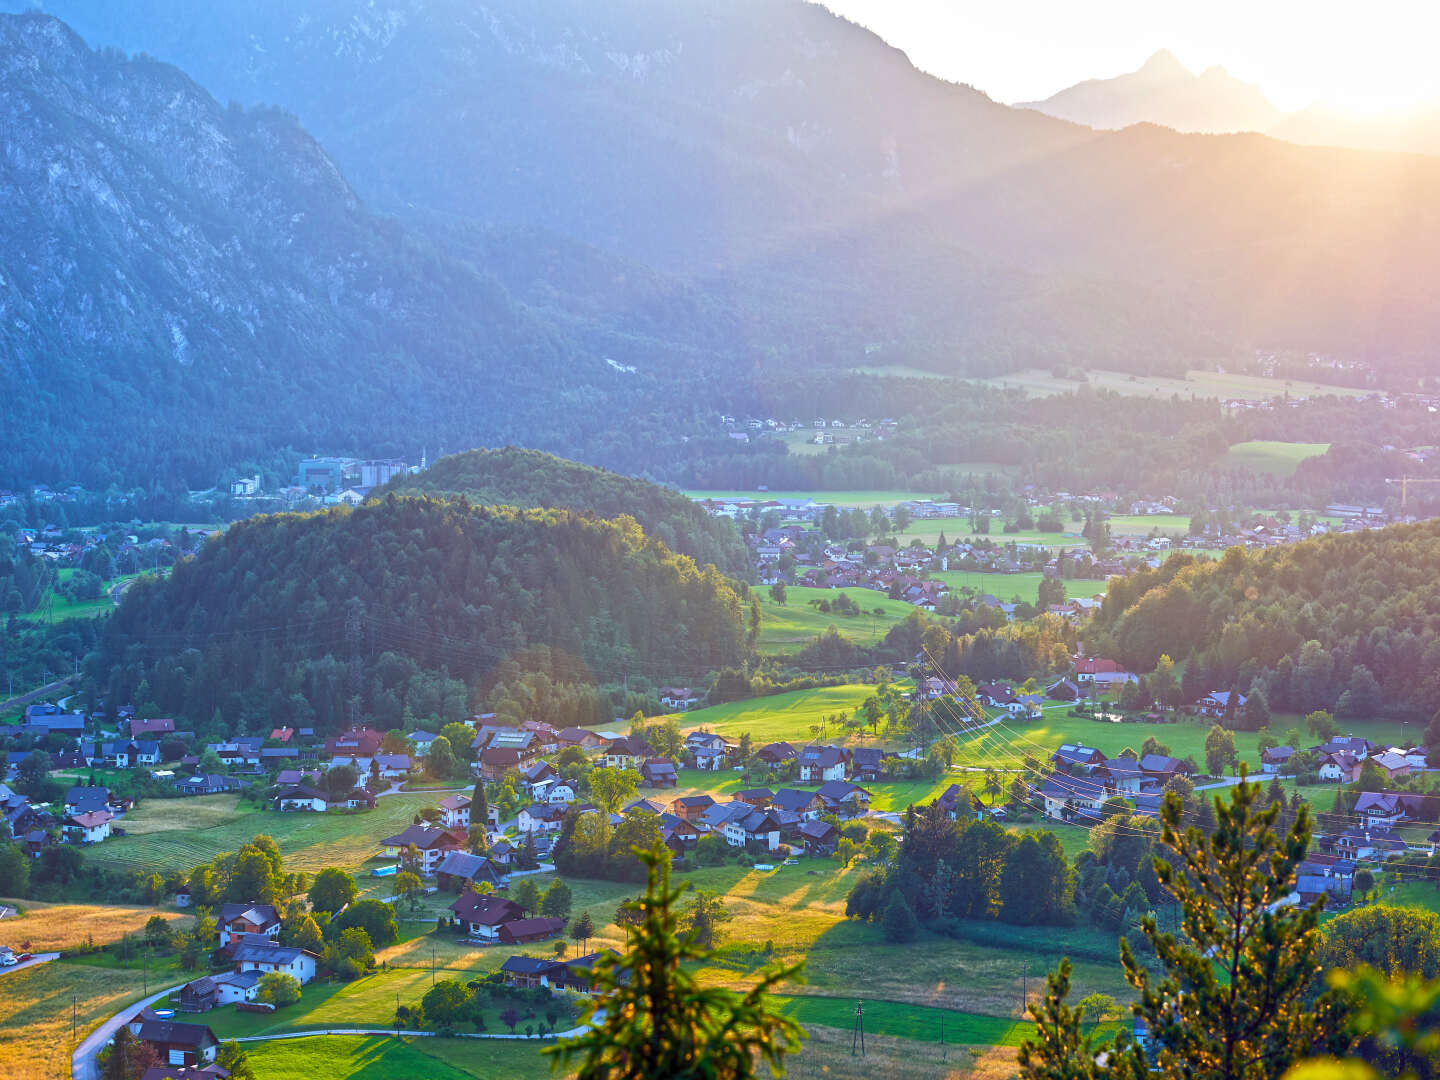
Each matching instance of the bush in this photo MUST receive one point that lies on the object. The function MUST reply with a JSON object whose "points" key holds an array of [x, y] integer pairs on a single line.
{"points": [[898, 922], [278, 989]]}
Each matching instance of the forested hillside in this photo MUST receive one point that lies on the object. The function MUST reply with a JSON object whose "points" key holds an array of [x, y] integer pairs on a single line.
{"points": [[410, 604], [528, 478], [1349, 623]]}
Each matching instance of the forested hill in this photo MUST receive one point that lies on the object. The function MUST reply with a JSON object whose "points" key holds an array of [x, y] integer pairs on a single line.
{"points": [[1348, 622], [289, 618], [515, 477]]}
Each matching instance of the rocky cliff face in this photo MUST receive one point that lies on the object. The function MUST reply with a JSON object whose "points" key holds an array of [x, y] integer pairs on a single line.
{"points": [[201, 281]]}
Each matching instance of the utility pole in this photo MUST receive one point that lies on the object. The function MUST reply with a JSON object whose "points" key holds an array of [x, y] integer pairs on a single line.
{"points": [[857, 1039]]}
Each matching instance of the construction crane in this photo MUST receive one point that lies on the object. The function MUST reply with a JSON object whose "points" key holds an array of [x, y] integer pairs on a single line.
{"points": [[1406, 481]]}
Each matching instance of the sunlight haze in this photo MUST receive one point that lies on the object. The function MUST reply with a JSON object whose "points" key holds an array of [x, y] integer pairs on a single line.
{"points": [[1374, 58]]}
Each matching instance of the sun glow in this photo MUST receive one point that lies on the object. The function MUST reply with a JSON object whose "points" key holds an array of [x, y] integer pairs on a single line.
{"points": [[1366, 59]]}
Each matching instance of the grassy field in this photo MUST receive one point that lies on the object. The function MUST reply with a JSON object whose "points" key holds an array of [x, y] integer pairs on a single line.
{"points": [[1195, 384], [1279, 459], [789, 627], [780, 717], [1186, 738], [37, 1006], [62, 608], [866, 499], [1005, 587], [178, 834], [382, 1057], [58, 927], [885, 794]]}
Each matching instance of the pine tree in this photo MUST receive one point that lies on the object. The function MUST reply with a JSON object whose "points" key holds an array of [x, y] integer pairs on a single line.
{"points": [[898, 922]]}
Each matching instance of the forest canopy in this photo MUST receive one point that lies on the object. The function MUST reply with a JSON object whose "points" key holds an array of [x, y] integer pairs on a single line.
{"points": [[512, 476], [1348, 622], [312, 618]]}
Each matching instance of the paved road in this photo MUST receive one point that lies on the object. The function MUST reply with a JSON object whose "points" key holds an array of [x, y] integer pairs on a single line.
{"points": [[82, 1062], [38, 958]]}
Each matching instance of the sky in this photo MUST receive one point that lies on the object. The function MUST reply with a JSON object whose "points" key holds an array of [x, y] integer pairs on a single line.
{"points": [[1363, 56]]}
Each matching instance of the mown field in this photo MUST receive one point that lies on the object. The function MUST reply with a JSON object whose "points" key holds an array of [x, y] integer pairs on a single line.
{"points": [[59, 927], [59, 607], [1198, 384], [780, 717], [1006, 587], [1279, 459], [866, 499], [789, 627], [383, 1057], [180, 833]]}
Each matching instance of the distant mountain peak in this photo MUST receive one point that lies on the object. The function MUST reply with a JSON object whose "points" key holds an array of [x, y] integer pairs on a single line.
{"points": [[1163, 63]]}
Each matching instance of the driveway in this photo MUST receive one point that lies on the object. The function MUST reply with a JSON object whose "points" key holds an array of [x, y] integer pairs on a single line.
{"points": [[82, 1062], [38, 958]]}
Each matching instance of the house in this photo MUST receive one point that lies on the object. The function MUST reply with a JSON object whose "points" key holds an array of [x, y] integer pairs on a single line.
{"points": [[659, 773], [455, 811], [541, 818], [1360, 747], [87, 828], [757, 829], [581, 737], [680, 698], [531, 972], [678, 833], [1370, 844], [432, 844], [87, 800], [177, 1043], [152, 726], [210, 784], [1218, 702], [52, 720], [301, 797], [1342, 767], [1064, 690], [808, 804], [536, 779], [36, 841], [956, 802], [868, 764], [705, 740], [643, 806], [1068, 798], [1393, 765], [293, 777], [1078, 756], [626, 752], [1124, 775], [709, 760], [690, 807], [1097, 669], [238, 920], [818, 837], [561, 793], [820, 763], [200, 995], [1277, 759], [1163, 768], [459, 869], [519, 931], [759, 798], [357, 742], [265, 956], [777, 753], [844, 798], [482, 916], [354, 799], [494, 763], [717, 817]]}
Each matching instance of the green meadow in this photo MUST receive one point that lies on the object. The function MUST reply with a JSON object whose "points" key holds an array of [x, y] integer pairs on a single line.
{"points": [[1279, 459]]}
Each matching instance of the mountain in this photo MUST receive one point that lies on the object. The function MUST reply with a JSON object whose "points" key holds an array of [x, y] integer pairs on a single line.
{"points": [[1163, 91], [825, 199], [183, 284], [529, 478], [295, 616]]}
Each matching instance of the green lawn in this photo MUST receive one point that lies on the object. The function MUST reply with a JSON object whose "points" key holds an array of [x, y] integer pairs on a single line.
{"points": [[884, 794], [780, 717], [1005, 587], [177, 834], [382, 1057], [789, 627], [909, 1021], [1185, 738], [1279, 459], [62, 608], [1195, 384]]}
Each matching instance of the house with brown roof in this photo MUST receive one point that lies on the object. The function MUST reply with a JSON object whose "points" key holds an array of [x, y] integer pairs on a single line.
{"points": [[433, 845], [177, 1043], [659, 773], [482, 916], [455, 811], [151, 726], [690, 807], [584, 738], [236, 920], [87, 828]]}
